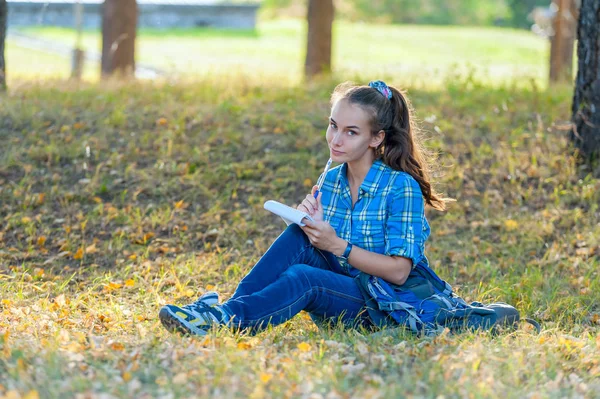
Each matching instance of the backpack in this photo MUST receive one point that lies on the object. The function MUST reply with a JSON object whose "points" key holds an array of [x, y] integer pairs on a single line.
{"points": [[426, 305]]}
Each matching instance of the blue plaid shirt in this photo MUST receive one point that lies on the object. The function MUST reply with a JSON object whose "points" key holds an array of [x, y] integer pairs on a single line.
{"points": [[388, 217]]}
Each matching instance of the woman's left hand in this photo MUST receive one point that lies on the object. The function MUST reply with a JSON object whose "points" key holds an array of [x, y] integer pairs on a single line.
{"points": [[320, 234]]}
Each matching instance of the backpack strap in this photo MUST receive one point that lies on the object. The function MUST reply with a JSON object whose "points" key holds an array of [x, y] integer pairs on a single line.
{"points": [[414, 321], [534, 323]]}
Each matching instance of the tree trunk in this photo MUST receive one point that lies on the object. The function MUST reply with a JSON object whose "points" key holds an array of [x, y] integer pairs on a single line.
{"points": [[318, 46], [119, 25], [563, 41], [586, 100], [3, 23]]}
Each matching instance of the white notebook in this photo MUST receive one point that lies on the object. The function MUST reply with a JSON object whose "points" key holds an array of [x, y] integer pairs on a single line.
{"points": [[287, 213]]}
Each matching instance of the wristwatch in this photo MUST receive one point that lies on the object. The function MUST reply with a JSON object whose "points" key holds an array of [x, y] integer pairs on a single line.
{"points": [[346, 253]]}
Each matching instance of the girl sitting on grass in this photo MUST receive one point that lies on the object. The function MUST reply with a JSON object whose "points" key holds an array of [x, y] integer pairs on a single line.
{"points": [[369, 218]]}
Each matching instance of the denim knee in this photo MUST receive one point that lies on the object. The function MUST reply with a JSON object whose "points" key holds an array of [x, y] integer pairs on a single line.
{"points": [[300, 273]]}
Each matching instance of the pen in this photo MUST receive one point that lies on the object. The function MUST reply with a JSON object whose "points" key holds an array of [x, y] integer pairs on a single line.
{"points": [[322, 179]]}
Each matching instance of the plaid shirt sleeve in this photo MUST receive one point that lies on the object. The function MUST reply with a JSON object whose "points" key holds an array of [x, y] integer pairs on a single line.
{"points": [[404, 232]]}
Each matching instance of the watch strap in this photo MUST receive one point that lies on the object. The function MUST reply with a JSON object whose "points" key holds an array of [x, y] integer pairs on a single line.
{"points": [[346, 253]]}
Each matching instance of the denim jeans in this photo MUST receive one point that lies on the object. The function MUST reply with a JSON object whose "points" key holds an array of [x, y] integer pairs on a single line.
{"points": [[291, 276]]}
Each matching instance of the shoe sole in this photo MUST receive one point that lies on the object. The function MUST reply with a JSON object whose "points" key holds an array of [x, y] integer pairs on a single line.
{"points": [[174, 323]]}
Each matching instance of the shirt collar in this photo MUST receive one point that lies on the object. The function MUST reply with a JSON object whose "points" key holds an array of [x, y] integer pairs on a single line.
{"points": [[371, 181]]}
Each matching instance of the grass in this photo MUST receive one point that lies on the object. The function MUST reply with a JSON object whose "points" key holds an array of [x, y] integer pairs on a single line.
{"points": [[119, 198], [422, 54]]}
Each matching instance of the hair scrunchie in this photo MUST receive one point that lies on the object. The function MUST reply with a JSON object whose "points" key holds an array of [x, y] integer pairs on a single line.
{"points": [[381, 87]]}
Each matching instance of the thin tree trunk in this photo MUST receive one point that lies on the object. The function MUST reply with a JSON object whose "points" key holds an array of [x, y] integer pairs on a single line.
{"points": [[586, 99], [119, 26], [318, 46], [3, 24], [563, 41]]}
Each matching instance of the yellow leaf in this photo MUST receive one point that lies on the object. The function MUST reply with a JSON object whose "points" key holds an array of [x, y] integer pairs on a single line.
{"points": [[209, 287], [278, 130], [12, 395], [126, 376], [61, 300], [25, 219], [265, 377], [41, 241], [91, 249], [304, 347], [7, 302], [244, 345], [97, 200], [180, 204], [162, 122], [510, 224], [31, 395], [112, 286], [78, 254], [78, 125], [307, 182], [129, 283], [117, 346]]}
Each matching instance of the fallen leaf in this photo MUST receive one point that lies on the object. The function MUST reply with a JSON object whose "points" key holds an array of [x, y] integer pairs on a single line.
{"points": [[117, 346], [78, 254], [91, 249], [511, 224], [244, 345], [304, 347], [265, 377]]}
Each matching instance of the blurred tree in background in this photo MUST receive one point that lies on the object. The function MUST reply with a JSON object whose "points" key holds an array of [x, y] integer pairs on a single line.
{"points": [[318, 44], [119, 27]]}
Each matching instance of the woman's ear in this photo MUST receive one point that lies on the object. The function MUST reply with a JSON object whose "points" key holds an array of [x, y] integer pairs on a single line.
{"points": [[378, 139]]}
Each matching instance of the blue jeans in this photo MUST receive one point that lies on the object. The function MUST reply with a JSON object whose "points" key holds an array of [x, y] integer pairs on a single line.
{"points": [[292, 276]]}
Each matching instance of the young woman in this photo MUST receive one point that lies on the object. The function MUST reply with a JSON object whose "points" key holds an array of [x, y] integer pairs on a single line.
{"points": [[369, 218]]}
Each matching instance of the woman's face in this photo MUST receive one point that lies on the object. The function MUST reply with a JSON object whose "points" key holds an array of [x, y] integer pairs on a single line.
{"points": [[349, 133]]}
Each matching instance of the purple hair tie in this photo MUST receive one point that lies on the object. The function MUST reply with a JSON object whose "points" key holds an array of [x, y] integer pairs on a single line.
{"points": [[382, 88]]}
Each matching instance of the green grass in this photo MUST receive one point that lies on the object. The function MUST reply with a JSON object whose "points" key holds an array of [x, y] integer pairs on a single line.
{"points": [[167, 203], [422, 54]]}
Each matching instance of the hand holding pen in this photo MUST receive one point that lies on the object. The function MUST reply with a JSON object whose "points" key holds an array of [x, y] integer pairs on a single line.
{"points": [[322, 179], [311, 204]]}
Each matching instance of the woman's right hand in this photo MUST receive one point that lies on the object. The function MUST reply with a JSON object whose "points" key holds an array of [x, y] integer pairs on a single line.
{"points": [[312, 205]]}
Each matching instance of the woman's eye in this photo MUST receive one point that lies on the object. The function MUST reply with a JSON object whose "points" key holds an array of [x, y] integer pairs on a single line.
{"points": [[333, 126], [352, 131]]}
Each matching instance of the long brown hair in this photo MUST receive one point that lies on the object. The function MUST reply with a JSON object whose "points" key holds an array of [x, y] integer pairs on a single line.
{"points": [[402, 148]]}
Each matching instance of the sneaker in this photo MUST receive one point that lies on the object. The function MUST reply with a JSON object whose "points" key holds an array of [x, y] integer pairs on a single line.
{"points": [[194, 319], [211, 298]]}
